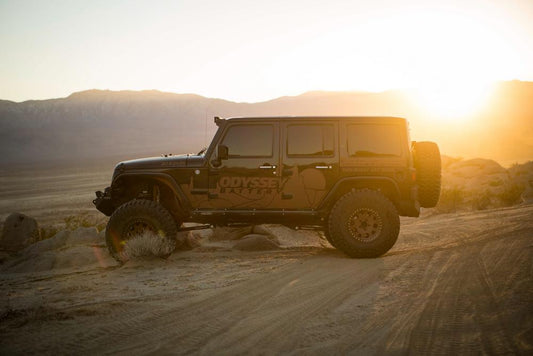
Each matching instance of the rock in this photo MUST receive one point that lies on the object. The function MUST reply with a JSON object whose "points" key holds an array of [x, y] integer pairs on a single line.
{"points": [[203, 234], [84, 236], [81, 248], [230, 233], [256, 242], [19, 232], [53, 243], [188, 240], [264, 230]]}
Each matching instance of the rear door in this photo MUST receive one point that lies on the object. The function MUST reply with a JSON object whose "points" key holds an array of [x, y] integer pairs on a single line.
{"points": [[309, 163]]}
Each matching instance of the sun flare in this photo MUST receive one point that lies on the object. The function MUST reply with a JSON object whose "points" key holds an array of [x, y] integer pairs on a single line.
{"points": [[453, 102]]}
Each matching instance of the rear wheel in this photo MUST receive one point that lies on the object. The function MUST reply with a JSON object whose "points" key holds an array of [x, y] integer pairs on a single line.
{"points": [[138, 217], [427, 162], [364, 224]]}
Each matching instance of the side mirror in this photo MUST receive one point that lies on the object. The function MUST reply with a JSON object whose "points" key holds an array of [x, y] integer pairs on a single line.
{"points": [[222, 152]]}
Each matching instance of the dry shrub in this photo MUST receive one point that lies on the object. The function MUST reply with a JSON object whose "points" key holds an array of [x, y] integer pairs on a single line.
{"points": [[511, 194], [48, 231], [481, 200], [496, 182], [148, 245], [73, 222]]}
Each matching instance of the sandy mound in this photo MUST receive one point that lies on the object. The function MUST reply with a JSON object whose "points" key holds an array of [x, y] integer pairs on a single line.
{"points": [[256, 242], [476, 174], [479, 184], [85, 248], [19, 231], [81, 248], [264, 237]]}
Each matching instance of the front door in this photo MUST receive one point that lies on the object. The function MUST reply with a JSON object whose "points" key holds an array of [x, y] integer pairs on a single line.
{"points": [[249, 178]]}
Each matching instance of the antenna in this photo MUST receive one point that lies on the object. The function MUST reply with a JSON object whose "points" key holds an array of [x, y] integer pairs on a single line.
{"points": [[205, 128]]}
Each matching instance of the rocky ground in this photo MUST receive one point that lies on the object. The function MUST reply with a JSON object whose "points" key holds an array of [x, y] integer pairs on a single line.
{"points": [[457, 283]]}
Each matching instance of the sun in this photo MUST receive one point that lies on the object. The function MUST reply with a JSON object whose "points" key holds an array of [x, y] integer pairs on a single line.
{"points": [[453, 102]]}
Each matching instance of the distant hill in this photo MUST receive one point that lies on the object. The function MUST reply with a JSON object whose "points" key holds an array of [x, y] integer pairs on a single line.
{"points": [[99, 124]]}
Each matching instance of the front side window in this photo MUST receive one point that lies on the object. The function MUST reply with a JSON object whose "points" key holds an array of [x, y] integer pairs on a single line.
{"points": [[249, 140], [310, 140], [374, 141]]}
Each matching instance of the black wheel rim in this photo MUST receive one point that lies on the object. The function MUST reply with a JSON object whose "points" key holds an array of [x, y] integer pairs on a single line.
{"points": [[365, 225], [136, 228]]}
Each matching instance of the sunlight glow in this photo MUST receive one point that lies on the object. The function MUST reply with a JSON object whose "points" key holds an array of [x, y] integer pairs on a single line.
{"points": [[453, 102]]}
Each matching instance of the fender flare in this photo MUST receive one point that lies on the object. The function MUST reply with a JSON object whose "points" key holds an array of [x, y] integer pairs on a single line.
{"points": [[331, 194], [162, 178]]}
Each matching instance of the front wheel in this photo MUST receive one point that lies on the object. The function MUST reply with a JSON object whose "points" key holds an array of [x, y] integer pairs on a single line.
{"points": [[364, 224], [138, 217]]}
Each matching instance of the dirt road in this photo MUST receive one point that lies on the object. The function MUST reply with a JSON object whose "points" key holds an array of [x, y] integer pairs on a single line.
{"points": [[453, 284]]}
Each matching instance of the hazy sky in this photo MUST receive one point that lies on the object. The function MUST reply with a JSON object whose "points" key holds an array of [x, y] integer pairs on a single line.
{"points": [[259, 50]]}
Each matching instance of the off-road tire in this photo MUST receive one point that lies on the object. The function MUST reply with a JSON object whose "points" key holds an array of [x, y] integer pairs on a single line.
{"points": [[427, 162], [364, 224], [133, 218]]}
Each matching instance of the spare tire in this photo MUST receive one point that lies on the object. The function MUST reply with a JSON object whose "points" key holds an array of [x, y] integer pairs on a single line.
{"points": [[427, 162]]}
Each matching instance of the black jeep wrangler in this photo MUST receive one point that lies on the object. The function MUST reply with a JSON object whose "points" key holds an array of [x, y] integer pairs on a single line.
{"points": [[350, 177]]}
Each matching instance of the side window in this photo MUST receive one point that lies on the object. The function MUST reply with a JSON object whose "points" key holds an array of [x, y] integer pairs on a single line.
{"points": [[310, 140], [249, 140], [374, 140]]}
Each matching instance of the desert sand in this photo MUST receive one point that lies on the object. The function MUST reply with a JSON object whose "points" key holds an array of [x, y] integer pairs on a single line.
{"points": [[457, 283]]}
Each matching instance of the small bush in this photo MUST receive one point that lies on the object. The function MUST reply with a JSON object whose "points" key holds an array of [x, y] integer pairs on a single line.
{"points": [[511, 194], [48, 231], [148, 245], [73, 222], [481, 201]]}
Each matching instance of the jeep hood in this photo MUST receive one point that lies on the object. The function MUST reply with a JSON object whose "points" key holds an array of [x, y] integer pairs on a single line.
{"points": [[157, 163]]}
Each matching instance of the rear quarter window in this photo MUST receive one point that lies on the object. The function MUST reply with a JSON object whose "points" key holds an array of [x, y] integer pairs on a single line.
{"points": [[367, 140]]}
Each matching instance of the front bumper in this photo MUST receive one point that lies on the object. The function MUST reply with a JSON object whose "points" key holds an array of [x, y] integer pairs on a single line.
{"points": [[103, 202]]}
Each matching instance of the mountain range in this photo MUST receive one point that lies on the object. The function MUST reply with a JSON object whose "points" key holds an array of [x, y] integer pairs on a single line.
{"points": [[103, 124]]}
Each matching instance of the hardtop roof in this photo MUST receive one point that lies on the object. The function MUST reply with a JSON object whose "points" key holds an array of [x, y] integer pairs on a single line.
{"points": [[382, 119]]}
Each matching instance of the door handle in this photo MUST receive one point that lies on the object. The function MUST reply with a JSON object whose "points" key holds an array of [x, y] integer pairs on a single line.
{"points": [[323, 167], [267, 166]]}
